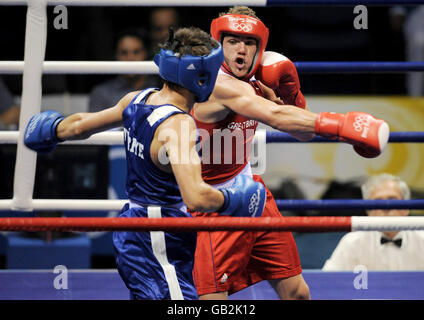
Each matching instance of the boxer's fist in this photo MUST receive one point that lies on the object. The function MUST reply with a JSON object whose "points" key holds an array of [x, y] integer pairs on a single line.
{"points": [[40, 133], [279, 73], [368, 135], [245, 198]]}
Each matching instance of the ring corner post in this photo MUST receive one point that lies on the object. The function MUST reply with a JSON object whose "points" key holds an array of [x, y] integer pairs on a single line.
{"points": [[35, 46]]}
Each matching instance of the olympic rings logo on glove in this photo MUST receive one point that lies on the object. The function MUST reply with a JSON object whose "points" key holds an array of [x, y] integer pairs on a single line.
{"points": [[241, 27], [361, 123], [254, 201]]}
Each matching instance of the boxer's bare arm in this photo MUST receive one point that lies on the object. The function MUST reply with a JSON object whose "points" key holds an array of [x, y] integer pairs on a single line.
{"points": [[174, 135], [82, 125], [240, 97], [270, 95]]}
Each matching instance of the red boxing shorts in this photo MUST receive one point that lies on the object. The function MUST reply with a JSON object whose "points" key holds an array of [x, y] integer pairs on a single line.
{"points": [[233, 260]]}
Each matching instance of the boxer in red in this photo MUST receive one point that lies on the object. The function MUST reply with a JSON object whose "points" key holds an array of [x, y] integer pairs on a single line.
{"points": [[254, 85]]}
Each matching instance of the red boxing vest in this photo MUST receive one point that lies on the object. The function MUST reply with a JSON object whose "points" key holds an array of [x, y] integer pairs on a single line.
{"points": [[225, 145]]}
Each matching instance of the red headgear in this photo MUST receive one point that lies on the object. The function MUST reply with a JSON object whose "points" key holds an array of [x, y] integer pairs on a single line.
{"points": [[242, 25]]}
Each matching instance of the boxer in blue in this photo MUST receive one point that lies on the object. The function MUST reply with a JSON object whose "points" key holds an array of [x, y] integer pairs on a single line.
{"points": [[163, 179]]}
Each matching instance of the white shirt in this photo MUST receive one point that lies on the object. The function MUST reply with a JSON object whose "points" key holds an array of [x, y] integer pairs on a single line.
{"points": [[364, 248]]}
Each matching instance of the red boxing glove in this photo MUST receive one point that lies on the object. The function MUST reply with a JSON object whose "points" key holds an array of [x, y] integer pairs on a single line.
{"points": [[279, 73], [368, 135]]}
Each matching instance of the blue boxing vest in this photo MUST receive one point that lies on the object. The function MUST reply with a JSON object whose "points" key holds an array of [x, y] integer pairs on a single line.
{"points": [[146, 183], [156, 264]]}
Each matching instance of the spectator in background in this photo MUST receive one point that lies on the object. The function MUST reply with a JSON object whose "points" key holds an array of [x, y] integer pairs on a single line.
{"points": [[130, 46], [161, 19], [9, 110], [414, 37], [385, 251], [410, 20]]}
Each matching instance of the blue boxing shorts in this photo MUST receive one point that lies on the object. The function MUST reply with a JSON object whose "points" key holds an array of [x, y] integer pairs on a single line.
{"points": [[156, 265]]}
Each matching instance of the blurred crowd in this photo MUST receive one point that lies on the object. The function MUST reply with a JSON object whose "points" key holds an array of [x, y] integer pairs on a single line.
{"points": [[302, 33]]}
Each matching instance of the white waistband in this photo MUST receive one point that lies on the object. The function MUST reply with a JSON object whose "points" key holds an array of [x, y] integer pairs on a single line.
{"points": [[247, 170], [181, 206]]}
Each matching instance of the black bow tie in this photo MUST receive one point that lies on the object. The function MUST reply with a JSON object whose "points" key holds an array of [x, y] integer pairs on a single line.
{"points": [[397, 242]]}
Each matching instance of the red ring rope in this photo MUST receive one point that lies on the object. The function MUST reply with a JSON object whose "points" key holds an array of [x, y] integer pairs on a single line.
{"points": [[299, 224]]}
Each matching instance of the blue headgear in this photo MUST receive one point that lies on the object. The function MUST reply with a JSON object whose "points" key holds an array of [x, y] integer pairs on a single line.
{"points": [[195, 73]]}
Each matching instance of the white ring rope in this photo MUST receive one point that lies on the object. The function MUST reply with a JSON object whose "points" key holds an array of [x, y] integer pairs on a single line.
{"points": [[387, 223], [84, 67], [103, 138], [68, 205]]}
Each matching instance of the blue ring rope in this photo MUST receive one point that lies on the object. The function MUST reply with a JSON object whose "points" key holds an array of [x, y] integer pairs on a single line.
{"points": [[358, 67], [411, 136], [345, 204]]}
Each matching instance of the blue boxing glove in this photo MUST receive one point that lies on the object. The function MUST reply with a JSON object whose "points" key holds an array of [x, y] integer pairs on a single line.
{"points": [[245, 198], [40, 133]]}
